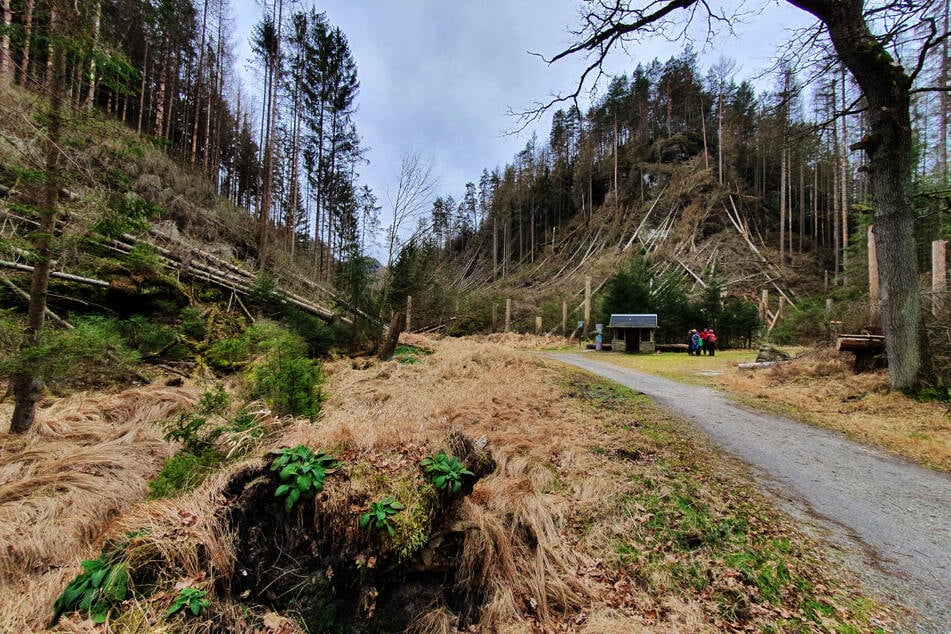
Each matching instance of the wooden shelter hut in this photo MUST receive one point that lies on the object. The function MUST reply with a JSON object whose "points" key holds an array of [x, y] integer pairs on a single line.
{"points": [[633, 333]]}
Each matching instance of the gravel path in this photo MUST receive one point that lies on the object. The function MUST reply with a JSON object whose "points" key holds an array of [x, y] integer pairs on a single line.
{"points": [[890, 518]]}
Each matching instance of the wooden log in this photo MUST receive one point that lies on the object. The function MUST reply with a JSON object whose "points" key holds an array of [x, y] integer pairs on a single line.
{"points": [[860, 343], [57, 274], [756, 365]]}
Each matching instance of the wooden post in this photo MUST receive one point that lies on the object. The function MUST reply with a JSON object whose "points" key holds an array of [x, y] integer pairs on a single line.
{"points": [[409, 312], [538, 324], [874, 295], [764, 306], [495, 317], [939, 275], [564, 319], [587, 305], [508, 314]]}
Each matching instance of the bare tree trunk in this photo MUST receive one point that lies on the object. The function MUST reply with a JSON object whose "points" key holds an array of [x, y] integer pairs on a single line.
{"points": [[703, 128], [27, 37], [159, 126], [145, 70], [6, 62], [844, 176], [198, 82], [836, 200], [944, 101], [720, 133], [802, 203], [267, 188], [782, 204], [96, 20], [27, 387]]}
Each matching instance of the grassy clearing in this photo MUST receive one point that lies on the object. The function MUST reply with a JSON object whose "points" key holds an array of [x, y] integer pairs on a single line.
{"points": [[819, 388]]}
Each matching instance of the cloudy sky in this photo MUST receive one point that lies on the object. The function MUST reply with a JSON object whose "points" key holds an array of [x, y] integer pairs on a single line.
{"points": [[438, 77]]}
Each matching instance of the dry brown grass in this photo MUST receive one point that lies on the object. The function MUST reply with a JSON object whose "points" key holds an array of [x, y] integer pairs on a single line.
{"points": [[539, 551], [87, 459], [820, 387]]}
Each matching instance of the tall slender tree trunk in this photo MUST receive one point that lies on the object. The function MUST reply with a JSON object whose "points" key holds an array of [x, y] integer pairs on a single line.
{"points": [[6, 61], [271, 125], [145, 71], [836, 200], [944, 101], [844, 177], [27, 387], [199, 82], [720, 133], [91, 89], [159, 126], [782, 204], [27, 38]]}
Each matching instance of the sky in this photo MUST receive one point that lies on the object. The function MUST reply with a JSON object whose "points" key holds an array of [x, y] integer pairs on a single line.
{"points": [[439, 77]]}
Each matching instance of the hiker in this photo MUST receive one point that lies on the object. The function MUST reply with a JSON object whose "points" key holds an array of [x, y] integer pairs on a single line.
{"points": [[695, 343], [703, 339], [710, 345]]}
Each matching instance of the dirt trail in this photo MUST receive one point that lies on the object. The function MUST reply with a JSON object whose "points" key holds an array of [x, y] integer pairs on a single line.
{"points": [[891, 518]]}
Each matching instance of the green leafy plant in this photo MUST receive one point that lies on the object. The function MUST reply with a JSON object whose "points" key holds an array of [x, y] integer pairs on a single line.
{"points": [[379, 514], [191, 599], [302, 472], [190, 427], [445, 472], [102, 585]]}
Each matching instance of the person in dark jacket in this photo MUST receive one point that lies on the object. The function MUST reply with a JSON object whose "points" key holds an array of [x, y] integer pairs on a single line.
{"points": [[695, 343]]}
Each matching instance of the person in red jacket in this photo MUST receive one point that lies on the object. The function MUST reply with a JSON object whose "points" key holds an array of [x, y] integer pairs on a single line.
{"points": [[710, 343], [703, 339]]}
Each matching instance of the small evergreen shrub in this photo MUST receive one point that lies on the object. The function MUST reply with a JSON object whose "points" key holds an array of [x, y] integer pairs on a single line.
{"points": [[193, 324], [266, 337], [807, 323], [290, 385], [227, 354], [317, 335]]}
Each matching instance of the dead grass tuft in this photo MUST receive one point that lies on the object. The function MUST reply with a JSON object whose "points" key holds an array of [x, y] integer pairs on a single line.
{"points": [[87, 459]]}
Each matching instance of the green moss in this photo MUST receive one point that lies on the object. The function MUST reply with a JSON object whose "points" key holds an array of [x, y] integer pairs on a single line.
{"points": [[413, 525]]}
